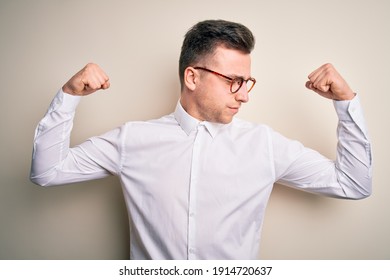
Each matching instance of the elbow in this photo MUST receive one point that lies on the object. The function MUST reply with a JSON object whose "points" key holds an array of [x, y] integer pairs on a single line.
{"points": [[38, 181], [367, 190], [366, 194], [358, 186], [43, 178], [41, 181], [363, 191], [363, 195]]}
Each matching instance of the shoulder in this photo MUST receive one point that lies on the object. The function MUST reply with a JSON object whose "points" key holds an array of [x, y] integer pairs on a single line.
{"points": [[261, 132], [162, 122], [243, 126], [150, 128]]}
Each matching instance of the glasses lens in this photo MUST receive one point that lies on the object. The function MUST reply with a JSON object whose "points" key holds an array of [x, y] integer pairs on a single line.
{"points": [[237, 83], [249, 85]]}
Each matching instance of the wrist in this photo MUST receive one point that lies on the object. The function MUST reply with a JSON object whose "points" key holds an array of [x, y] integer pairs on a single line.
{"points": [[67, 90], [349, 97]]}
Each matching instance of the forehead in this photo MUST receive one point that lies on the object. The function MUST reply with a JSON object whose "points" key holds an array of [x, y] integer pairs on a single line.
{"points": [[231, 61]]}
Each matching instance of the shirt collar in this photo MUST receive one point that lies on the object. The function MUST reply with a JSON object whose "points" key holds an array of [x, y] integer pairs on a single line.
{"points": [[189, 123]]}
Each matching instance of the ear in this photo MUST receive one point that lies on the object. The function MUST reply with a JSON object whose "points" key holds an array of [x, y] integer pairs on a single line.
{"points": [[190, 78]]}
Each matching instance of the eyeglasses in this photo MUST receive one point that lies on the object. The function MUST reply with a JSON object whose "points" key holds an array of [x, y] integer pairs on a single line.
{"points": [[235, 83]]}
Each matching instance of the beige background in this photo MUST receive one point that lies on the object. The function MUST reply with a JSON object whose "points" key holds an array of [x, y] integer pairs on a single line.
{"points": [[43, 43]]}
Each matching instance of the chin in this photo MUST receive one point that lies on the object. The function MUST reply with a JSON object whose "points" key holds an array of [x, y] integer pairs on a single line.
{"points": [[225, 121]]}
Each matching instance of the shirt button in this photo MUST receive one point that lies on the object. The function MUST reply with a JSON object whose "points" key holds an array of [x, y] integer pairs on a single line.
{"points": [[192, 251], [192, 215]]}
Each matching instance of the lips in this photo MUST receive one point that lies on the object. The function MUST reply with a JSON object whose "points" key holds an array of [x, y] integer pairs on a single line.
{"points": [[234, 109]]}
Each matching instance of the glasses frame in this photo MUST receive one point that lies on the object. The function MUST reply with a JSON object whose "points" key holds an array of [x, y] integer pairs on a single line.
{"points": [[232, 80]]}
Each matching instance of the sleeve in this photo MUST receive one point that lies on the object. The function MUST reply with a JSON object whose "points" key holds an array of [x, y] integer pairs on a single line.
{"points": [[349, 176], [55, 163]]}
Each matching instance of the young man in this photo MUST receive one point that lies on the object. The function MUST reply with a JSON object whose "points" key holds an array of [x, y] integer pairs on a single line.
{"points": [[196, 182]]}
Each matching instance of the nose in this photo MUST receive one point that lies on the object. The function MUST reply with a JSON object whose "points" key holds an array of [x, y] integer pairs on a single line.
{"points": [[242, 95]]}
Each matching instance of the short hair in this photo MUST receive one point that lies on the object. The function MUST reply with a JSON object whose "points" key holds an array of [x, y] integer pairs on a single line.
{"points": [[205, 36]]}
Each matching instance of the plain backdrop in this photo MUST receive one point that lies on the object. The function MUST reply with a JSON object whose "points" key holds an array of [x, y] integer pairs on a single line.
{"points": [[137, 43]]}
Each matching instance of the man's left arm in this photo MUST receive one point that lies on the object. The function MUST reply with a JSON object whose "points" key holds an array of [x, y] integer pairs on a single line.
{"points": [[354, 155]]}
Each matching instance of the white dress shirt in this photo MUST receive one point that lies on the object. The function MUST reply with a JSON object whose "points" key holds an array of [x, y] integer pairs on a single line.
{"points": [[198, 190]]}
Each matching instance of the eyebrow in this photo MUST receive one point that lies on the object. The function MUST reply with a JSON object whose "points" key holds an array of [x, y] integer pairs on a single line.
{"points": [[238, 76], [233, 76]]}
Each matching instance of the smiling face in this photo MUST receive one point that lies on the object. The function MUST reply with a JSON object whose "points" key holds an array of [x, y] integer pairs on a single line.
{"points": [[207, 96]]}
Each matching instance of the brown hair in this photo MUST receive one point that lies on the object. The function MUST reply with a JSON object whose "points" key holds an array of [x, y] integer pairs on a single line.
{"points": [[203, 38]]}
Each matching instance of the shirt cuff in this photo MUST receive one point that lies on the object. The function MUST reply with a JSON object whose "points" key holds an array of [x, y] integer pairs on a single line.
{"points": [[64, 102], [351, 110]]}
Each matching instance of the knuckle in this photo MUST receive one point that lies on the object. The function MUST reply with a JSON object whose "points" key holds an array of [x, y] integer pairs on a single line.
{"points": [[328, 65], [328, 68], [91, 64], [91, 67]]}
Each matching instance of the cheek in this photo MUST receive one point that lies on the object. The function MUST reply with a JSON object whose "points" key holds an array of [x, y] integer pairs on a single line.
{"points": [[213, 101], [214, 97]]}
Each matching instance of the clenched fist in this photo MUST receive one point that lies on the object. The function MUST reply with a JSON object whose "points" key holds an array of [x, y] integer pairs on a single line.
{"points": [[88, 80], [327, 82]]}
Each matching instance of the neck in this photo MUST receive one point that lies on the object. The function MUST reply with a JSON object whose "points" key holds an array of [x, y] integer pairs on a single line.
{"points": [[187, 105]]}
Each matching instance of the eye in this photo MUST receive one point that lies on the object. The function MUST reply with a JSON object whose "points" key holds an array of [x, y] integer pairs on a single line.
{"points": [[238, 81]]}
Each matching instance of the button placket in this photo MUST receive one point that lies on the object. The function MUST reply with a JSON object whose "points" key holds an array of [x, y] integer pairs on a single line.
{"points": [[195, 166]]}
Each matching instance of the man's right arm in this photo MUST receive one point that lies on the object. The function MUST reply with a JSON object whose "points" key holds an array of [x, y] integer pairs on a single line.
{"points": [[51, 153]]}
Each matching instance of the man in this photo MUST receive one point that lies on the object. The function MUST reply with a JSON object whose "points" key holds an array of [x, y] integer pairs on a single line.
{"points": [[196, 182]]}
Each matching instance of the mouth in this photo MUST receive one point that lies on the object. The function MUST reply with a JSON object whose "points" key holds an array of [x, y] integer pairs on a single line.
{"points": [[234, 109]]}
